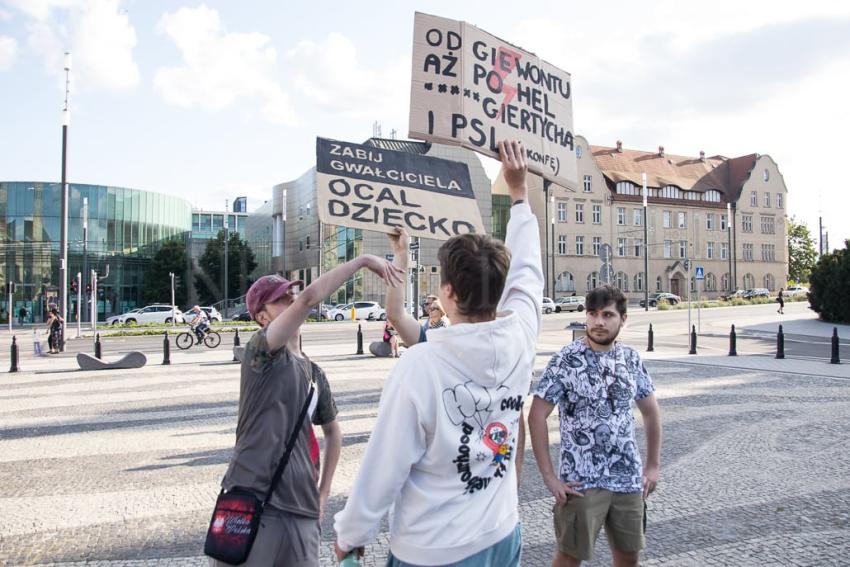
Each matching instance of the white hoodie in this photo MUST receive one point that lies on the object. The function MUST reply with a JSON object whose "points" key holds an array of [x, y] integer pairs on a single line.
{"points": [[442, 448]]}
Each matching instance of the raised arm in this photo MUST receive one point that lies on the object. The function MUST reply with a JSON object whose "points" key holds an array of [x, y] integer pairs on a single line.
{"points": [[284, 326], [401, 319]]}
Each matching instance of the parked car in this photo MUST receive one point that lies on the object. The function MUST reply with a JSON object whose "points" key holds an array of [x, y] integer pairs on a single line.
{"points": [[548, 306], [212, 313], [797, 290], [733, 294], [149, 314], [244, 316], [362, 310], [322, 309], [757, 292], [573, 303], [663, 297]]}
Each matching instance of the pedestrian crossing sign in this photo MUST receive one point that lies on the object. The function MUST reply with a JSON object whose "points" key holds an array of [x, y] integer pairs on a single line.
{"points": [[700, 273]]}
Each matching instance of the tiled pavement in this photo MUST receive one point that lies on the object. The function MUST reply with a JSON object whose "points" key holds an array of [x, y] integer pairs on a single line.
{"points": [[122, 469]]}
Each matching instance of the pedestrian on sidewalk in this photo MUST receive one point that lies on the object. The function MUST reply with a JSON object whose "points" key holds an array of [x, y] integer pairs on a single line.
{"points": [[391, 338], [275, 383], [780, 298], [447, 446], [22, 315], [437, 318], [54, 330], [600, 479]]}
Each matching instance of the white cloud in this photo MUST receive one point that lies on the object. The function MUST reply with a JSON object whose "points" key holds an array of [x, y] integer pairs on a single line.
{"points": [[220, 67], [98, 33], [330, 75], [8, 52]]}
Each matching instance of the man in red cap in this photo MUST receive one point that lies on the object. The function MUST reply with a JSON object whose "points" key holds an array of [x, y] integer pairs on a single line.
{"points": [[274, 386]]}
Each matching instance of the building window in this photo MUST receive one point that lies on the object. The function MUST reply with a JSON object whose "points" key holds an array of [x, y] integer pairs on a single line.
{"points": [[637, 217], [754, 199], [767, 200], [709, 221], [668, 248], [592, 280], [683, 220], [670, 192], [768, 252], [779, 200], [621, 247], [659, 284], [587, 184], [710, 283], [565, 282], [597, 245], [579, 246], [639, 281], [621, 216], [747, 253], [597, 214], [638, 247], [769, 282], [747, 223], [724, 282], [724, 250], [668, 219], [562, 245], [578, 152], [579, 213], [765, 175], [691, 195], [562, 212], [709, 250], [723, 224], [622, 281], [683, 249], [626, 188], [768, 225], [749, 281], [712, 196]]}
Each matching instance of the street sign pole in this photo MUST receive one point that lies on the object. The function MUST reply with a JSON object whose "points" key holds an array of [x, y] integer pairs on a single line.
{"points": [[688, 266]]}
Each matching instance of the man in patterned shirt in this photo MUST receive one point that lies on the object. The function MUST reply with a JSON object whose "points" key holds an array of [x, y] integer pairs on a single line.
{"points": [[601, 480]]}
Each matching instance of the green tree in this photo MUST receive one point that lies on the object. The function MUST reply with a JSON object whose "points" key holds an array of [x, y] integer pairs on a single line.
{"points": [[240, 262], [829, 286], [801, 251], [171, 257]]}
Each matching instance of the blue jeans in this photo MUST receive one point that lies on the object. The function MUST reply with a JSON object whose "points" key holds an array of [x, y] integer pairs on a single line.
{"points": [[506, 553]]}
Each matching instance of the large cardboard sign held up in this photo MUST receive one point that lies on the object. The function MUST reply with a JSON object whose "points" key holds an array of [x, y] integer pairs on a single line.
{"points": [[472, 89], [375, 189]]}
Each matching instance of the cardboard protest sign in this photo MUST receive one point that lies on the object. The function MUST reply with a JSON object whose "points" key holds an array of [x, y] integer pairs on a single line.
{"points": [[375, 189], [472, 89]]}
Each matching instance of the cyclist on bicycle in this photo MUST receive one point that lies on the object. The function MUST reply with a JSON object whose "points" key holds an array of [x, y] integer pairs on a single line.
{"points": [[200, 323]]}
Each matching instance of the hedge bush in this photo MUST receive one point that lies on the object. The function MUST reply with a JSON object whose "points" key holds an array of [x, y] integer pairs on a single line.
{"points": [[829, 286]]}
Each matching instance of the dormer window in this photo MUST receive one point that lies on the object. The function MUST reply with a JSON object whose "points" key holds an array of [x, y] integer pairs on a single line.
{"points": [[627, 188], [712, 195], [670, 192]]}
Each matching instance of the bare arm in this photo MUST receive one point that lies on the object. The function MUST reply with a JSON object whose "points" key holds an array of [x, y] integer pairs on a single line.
{"points": [[284, 326], [539, 429], [406, 325], [648, 407], [333, 447]]}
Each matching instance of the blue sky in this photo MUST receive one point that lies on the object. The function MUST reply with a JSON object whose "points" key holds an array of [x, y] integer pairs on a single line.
{"points": [[213, 100]]}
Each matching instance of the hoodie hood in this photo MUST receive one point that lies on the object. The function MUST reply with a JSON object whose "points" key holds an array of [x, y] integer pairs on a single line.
{"points": [[486, 353]]}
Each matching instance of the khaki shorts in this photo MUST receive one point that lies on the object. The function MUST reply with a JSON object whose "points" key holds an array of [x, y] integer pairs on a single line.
{"points": [[577, 523]]}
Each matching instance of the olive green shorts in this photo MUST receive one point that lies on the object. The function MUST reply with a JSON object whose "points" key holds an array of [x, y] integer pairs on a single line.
{"points": [[577, 523]]}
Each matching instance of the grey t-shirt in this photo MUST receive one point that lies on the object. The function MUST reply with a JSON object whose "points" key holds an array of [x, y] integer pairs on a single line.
{"points": [[272, 391]]}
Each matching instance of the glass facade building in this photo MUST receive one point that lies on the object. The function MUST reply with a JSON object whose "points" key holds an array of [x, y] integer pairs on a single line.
{"points": [[125, 228]]}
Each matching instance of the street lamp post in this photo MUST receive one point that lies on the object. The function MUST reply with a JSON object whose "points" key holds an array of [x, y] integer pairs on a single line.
{"points": [[85, 240], [729, 240], [546, 184], [645, 247], [552, 214], [173, 307], [225, 259], [63, 238]]}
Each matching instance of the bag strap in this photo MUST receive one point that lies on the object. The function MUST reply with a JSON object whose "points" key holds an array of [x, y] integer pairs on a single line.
{"points": [[290, 444]]}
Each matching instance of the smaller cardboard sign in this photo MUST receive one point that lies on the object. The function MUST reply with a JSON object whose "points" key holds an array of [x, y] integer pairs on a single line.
{"points": [[376, 189]]}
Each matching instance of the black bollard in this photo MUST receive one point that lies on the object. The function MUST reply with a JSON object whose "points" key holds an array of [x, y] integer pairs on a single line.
{"points": [[733, 342], [359, 339], [780, 343], [693, 340], [236, 343], [166, 350], [650, 347], [14, 367], [835, 359], [97, 353]]}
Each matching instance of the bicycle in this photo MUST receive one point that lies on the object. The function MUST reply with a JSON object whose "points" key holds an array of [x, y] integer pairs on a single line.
{"points": [[188, 338]]}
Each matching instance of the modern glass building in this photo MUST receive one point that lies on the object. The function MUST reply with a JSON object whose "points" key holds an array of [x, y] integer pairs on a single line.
{"points": [[125, 228]]}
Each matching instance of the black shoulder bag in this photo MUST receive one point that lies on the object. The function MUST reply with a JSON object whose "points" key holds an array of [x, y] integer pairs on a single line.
{"points": [[236, 517]]}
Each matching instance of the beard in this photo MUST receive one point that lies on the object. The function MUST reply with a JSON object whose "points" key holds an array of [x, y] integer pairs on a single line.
{"points": [[605, 339]]}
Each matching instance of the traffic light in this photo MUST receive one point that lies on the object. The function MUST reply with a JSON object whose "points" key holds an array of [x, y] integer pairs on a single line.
{"points": [[74, 287], [88, 288]]}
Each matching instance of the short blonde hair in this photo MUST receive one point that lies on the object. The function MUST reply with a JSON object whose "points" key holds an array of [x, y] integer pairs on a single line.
{"points": [[437, 305]]}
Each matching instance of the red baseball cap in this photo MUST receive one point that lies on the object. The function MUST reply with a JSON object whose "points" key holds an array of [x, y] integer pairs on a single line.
{"points": [[267, 289]]}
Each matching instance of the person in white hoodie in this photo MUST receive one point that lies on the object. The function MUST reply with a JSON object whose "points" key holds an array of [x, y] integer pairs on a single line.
{"points": [[444, 449]]}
